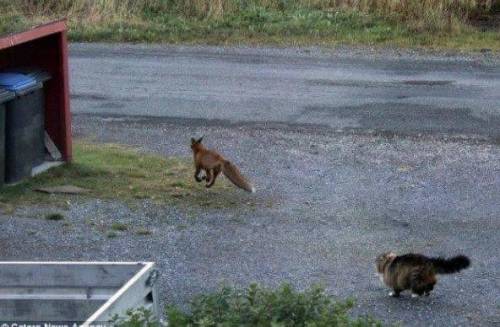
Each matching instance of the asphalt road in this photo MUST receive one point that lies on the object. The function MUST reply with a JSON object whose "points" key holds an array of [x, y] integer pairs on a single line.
{"points": [[343, 89]]}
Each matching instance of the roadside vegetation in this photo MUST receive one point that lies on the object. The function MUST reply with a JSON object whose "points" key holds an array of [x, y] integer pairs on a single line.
{"points": [[458, 24], [108, 171], [257, 306]]}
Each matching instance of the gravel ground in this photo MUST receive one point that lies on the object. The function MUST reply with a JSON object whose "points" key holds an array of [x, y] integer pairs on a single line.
{"points": [[327, 204]]}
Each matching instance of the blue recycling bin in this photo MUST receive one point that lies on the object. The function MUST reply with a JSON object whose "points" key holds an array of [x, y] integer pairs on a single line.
{"points": [[5, 96], [23, 130]]}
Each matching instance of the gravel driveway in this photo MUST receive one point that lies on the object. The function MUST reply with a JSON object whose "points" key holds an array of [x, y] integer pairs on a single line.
{"points": [[327, 204]]}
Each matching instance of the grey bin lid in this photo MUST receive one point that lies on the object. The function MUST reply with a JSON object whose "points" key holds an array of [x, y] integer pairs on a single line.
{"points": [[6, 96], [39, 75]]}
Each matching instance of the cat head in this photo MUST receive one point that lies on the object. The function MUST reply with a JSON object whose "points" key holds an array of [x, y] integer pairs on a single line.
{"points": [[384, 259]]}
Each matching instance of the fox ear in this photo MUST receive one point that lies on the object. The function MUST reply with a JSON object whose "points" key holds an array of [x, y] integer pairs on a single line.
{"points": [[193, 141], [199, 140]]}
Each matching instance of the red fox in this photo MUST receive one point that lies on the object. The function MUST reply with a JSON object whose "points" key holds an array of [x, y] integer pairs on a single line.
{"points": [[213, 164]]}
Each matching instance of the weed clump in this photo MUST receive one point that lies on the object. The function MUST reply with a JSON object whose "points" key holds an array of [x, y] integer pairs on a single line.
{"points": [[120, 227], [55, 216]]}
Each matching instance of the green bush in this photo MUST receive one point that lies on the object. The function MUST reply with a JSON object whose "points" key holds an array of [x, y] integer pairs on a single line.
{"points": [[136, 318], [258, 306]]}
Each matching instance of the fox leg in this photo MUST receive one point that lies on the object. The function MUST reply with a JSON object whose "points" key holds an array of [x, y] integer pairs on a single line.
{"points": [[209, 176], [197, 175], [215, 172]]}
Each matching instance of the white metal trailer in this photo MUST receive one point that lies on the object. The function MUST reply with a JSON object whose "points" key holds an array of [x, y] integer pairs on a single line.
{"points": [[75, 292]]}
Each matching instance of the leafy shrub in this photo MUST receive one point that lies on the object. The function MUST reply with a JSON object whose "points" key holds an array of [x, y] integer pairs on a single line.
{"points": [[258, 306], [136, 318]]}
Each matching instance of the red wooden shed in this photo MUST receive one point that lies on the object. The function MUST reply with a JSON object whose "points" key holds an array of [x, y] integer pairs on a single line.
{"points": [[45, 47]]}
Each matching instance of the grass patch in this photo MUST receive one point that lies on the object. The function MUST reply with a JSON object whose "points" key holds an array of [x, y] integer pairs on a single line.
{"points": [[143, 232], [412, 23], [11, 22], [116, 172], [119, 227], [292, 28], [181, 227], [54, 216], [111, 234]]}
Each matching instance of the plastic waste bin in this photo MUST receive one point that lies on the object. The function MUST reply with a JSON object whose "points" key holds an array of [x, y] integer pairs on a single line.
{"points": [[4, 97], [22, 130], [42, 77]]}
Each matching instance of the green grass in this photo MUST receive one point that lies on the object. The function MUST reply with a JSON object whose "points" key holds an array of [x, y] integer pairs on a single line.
{"points": [[120, 227], [111, 234], [300, 27], [437, 24], [143, 232], [116, 172], [11, 22]]}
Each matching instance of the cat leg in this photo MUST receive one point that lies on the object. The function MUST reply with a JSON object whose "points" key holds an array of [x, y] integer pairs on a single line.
{"points": [[418, 291], [428, 289], [395, 293], [418, 284]]}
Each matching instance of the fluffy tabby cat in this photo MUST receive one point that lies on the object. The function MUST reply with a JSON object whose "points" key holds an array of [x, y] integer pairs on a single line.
{"points": [[415, 272]]}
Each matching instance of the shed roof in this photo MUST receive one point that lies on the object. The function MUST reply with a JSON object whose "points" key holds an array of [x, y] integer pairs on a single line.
{"points": [[13, 39]]}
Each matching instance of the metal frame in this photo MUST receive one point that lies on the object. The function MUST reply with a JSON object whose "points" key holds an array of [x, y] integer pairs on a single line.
{"points": [[139, 290], [132, 295]]}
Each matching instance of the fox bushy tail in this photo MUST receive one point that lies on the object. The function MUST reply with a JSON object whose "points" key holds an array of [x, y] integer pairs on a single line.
{"points": [[450, 266], [233, 174]]}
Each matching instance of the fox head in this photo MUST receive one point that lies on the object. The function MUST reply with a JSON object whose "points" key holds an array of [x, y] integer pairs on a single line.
{"points": [[196, 142]]}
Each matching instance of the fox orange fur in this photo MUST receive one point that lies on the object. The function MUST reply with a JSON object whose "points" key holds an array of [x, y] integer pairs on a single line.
{"points": [[213, 164]]}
